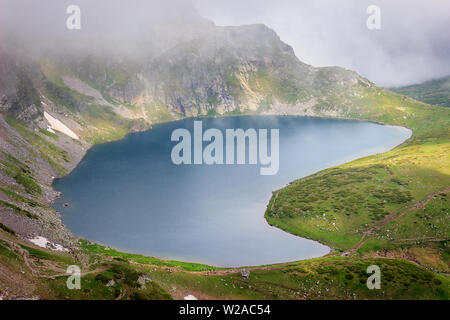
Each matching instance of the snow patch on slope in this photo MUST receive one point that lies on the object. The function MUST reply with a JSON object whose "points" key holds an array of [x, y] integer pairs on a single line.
{"points": [[57, 125]]}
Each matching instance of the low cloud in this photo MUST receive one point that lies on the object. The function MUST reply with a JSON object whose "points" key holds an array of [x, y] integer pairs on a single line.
{"points": [[413, 44]]}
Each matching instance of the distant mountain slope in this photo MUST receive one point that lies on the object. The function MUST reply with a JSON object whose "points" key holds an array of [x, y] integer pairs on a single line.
{"points": [[127, 82], [435, 92]]}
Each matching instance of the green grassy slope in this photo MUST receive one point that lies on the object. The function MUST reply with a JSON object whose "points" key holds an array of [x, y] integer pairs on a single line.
{"points": [[435, 92], [366, 204]]}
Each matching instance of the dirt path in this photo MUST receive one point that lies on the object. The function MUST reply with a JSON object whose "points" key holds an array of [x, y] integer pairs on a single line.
{"points": [[233, 271], [49, 265], [207, 272], [391, 217], [273, 202]]}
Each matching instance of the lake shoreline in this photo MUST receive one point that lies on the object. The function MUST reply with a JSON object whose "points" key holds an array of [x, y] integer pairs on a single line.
{"points": [[250, 115]]}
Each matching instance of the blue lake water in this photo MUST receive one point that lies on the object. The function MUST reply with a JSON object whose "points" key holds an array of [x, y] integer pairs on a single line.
{"points": [[129, 195]]}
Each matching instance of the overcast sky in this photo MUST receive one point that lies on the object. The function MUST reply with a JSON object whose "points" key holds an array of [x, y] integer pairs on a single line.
{"points": [[413, 44]]}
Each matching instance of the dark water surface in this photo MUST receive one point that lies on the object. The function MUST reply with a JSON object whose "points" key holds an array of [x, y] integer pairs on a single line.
{"points": [[128, 194]]}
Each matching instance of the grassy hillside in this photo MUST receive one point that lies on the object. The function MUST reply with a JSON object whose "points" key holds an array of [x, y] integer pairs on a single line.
{"points": [[395, 200], [435, 92]]}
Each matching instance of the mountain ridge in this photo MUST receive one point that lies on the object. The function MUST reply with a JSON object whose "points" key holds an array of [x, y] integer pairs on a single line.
{"points": [[435, 91]]}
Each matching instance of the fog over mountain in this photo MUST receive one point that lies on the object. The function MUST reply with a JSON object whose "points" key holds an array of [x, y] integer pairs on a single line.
{"points": [[107, 26], [413, 44]]}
